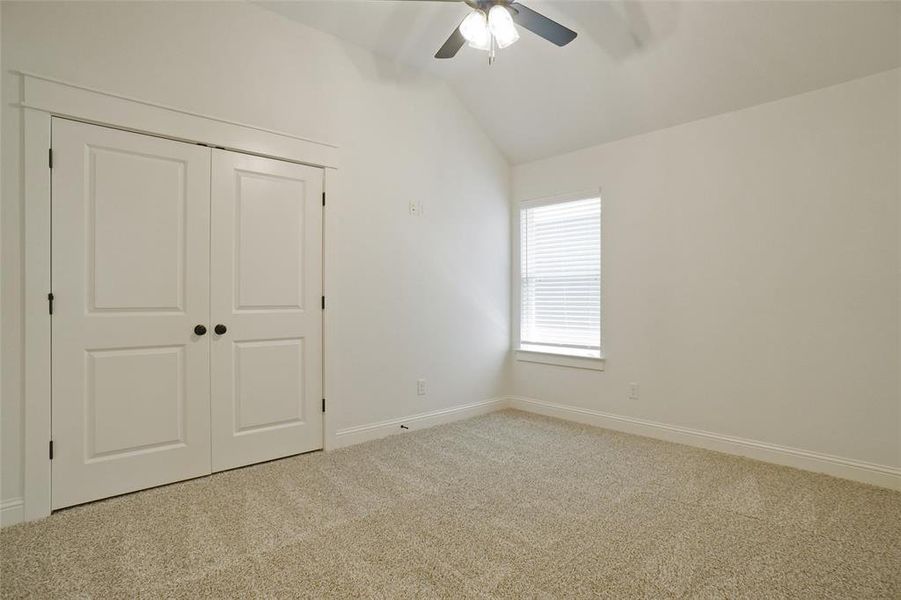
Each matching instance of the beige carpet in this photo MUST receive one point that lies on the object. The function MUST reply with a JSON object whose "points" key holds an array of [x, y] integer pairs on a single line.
{"points": [[503, 506]]}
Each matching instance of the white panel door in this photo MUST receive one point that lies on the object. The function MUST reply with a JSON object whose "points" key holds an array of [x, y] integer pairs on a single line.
{"points": [[130, 271], [266, 277]]}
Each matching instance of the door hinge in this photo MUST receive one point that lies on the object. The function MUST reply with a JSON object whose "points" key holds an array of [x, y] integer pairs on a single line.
{"points": [[323, 405], [50, 302], [323, 303], [51, 449], [50, 158], [323, 198]]}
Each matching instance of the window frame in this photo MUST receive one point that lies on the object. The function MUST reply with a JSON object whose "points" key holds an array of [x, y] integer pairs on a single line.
{"points": [[562, 359]]}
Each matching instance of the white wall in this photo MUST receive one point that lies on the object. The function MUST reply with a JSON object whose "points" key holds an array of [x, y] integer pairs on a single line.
{"points": [[751, 272], [408, 297]]}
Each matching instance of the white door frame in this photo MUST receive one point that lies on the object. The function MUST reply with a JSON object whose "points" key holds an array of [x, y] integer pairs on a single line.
{"points": [[43, 98]]}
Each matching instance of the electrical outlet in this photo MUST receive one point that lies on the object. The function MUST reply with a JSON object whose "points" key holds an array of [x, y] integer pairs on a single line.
{"points": [[633, 391], [420, 387]]}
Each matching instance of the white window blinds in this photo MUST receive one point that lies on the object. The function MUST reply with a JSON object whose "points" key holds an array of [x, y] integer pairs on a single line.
{"points": [[561, 277]]}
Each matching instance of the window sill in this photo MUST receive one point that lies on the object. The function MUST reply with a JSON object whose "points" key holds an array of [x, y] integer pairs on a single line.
{"points": [[591, 363]]}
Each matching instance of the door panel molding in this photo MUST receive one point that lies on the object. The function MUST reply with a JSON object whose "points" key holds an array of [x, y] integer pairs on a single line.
{"points": [[291, 409]]}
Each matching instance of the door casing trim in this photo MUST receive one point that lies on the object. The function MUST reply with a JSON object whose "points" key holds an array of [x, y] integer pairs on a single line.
{"points": [[42, 98]]}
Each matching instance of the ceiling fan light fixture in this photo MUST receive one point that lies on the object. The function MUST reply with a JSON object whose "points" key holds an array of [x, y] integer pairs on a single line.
{"points": [[474, 29], [492, 24], [500, 25]]}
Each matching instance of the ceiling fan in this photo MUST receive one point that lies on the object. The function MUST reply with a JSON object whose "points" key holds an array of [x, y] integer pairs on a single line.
{"points": [[490, 26]]}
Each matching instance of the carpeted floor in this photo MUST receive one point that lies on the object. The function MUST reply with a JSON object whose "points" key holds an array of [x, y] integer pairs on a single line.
{"points": [[508, 505]]}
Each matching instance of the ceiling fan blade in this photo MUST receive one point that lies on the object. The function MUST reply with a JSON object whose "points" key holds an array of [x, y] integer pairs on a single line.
{"points": [[540, 25], [472, 3], [452, 45], [423, 0]]}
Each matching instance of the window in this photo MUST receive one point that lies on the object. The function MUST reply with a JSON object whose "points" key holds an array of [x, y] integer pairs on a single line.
{"points": [[560, 277]]}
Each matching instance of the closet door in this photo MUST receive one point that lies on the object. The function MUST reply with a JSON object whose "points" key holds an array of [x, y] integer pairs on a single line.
{"points": [[130, 272], [266, 274]]}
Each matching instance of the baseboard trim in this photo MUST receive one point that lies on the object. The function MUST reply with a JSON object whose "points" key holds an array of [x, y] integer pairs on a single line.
{"points": [[880, 475], [374, 431], [11, 512]]}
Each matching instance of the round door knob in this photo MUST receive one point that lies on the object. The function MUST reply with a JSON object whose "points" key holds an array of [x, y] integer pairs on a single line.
{"points": [[220, 329], [200, 330]]}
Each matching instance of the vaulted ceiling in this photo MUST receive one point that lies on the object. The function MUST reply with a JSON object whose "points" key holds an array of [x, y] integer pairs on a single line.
{"points": [[636, 66]]}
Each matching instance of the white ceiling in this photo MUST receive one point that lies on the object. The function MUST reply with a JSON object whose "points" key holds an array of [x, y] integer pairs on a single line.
{"points": [[635, 67]]}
